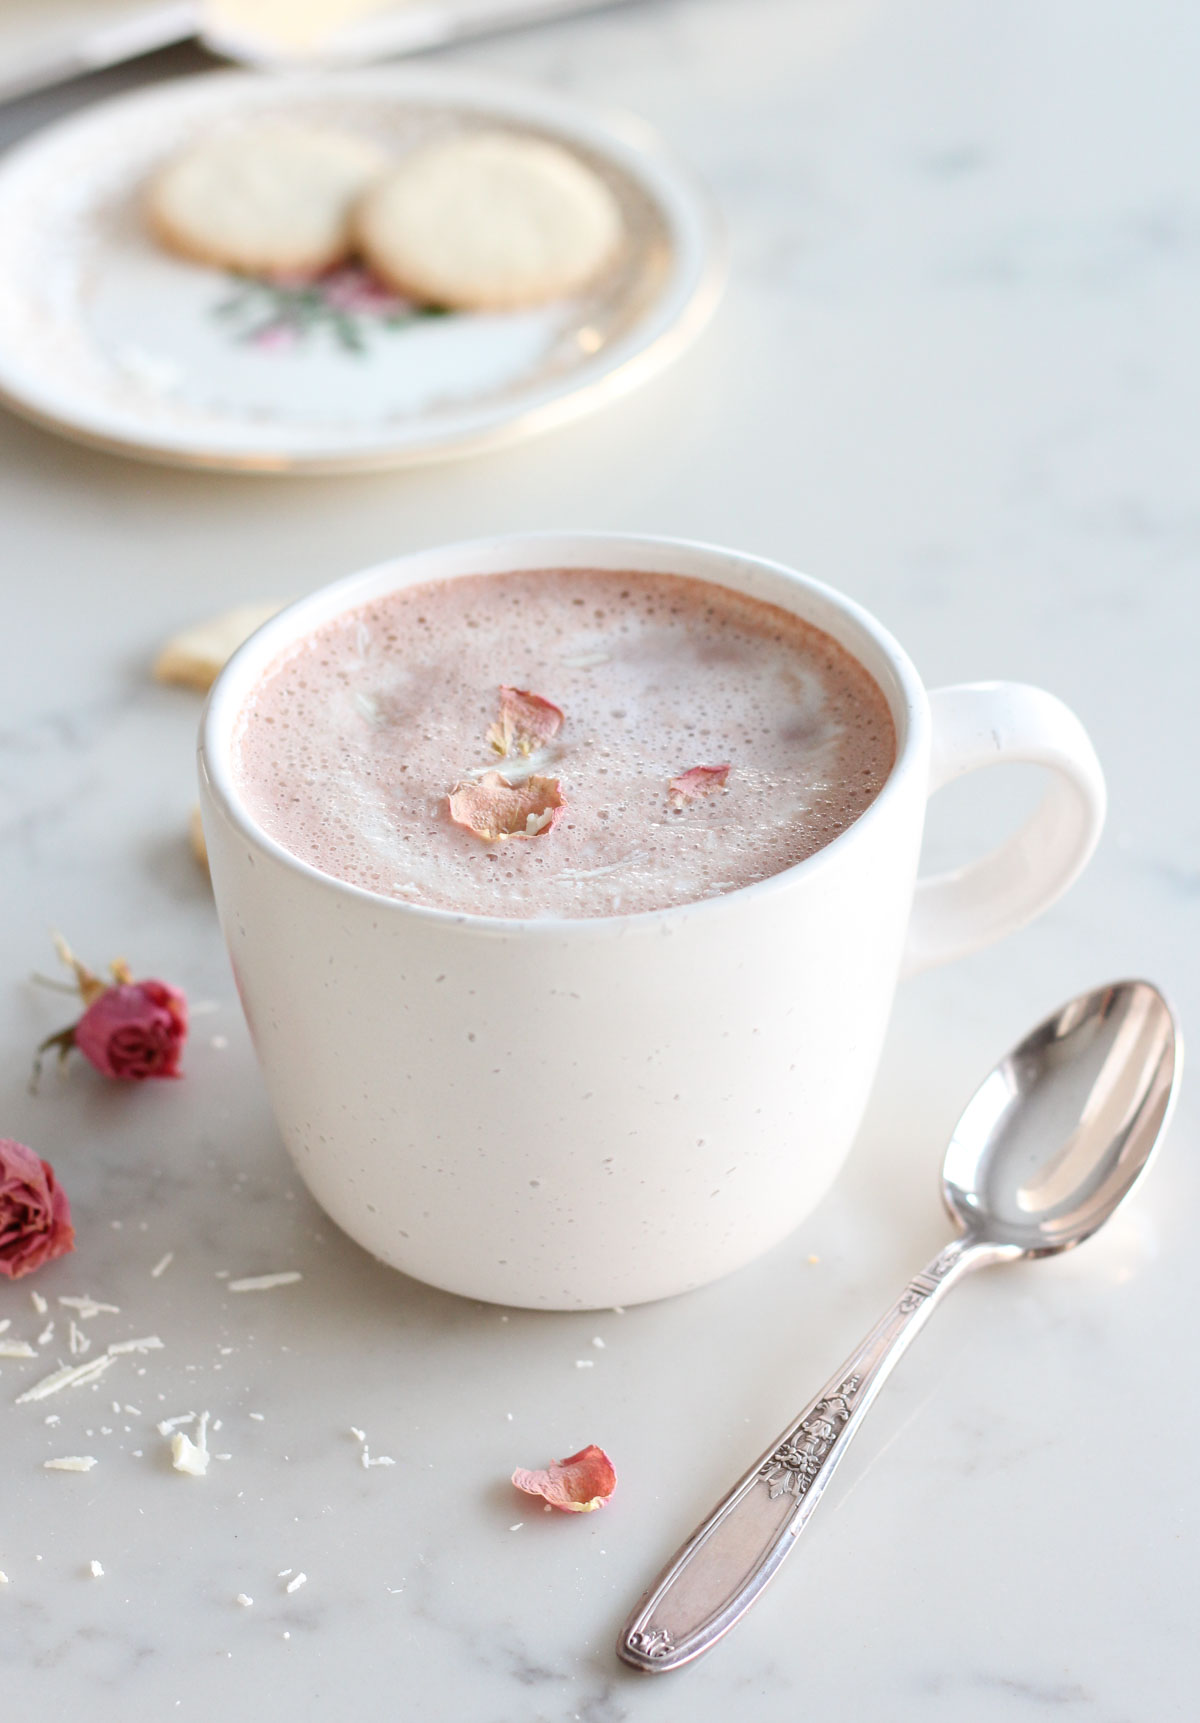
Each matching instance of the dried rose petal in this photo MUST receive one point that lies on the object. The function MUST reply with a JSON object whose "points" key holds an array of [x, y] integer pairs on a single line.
{"points": [[494, 809], [578, 1485], [35, 1217], [699, 781], [526, 721]]}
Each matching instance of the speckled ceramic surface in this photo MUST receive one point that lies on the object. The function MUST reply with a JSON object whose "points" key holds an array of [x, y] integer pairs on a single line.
{"points": [[107, 336], [404, 1046]]}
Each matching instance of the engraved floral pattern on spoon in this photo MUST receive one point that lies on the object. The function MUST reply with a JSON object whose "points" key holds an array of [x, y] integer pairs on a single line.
{"points": [[651, 1642], [790, 1470]]}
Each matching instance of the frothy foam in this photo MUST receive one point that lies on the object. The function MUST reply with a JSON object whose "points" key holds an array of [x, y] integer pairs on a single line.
{"points": [[347, 749]]}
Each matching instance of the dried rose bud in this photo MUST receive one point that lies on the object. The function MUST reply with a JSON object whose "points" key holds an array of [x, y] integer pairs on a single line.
{"points": [[35, 1217], [134, 1030], [130, 1029], [526, 721], [495, 810], [578, 1485], [699, 781]]}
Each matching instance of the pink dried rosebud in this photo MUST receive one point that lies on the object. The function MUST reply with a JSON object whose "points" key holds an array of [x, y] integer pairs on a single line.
{"points": [[526, 721], [700, 781], [577, 1485], [134, 1030], [35, 1217], [495, 810], [130, 1029]]}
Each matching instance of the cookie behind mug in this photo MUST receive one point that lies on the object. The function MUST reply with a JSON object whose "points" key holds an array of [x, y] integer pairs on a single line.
{"points": [[274, 199], [489, 221]]}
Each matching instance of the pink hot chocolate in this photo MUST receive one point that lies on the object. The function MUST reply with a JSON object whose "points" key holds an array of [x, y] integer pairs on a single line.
{"points": [[348, 750]]}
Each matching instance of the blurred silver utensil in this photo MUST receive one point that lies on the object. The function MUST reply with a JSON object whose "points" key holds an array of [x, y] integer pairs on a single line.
{"points": [[1051, 1143], [407, 27], [42, 44], [46, 42]]}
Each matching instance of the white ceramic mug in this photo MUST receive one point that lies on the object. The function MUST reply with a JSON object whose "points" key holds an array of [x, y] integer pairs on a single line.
{"points": [[573, 1113]]}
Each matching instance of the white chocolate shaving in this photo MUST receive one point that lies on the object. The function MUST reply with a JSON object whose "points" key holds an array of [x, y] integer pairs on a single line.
{"points": [[69, 1376], [265, 1282], [144, 1343], [88, 1307], [188, 1456]]}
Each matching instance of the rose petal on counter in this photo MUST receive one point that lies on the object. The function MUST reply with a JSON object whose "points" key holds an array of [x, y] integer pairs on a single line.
{"points": [[578, 1485]]}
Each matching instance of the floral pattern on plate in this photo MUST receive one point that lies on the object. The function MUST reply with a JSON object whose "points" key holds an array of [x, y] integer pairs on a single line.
{"points": [[347, 304]]}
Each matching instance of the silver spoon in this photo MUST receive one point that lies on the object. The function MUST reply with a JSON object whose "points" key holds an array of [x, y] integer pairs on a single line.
{"points": [[1048, 1147]]}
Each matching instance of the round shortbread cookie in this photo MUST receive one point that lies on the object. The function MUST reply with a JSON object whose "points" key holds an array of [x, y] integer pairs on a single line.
{"points": [[278, 197], [489, 221]]}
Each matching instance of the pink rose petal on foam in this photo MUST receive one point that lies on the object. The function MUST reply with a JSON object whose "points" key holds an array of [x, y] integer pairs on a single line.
{"points": [[526, 721], [495, 810], [698, 782], [578, 1485]]}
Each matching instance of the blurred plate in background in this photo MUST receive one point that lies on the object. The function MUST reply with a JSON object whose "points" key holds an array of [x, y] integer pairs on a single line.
{"points": [[112, 340]]}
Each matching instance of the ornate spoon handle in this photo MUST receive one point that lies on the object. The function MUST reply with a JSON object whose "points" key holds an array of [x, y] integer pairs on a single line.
{"points": [[717, 1574]]}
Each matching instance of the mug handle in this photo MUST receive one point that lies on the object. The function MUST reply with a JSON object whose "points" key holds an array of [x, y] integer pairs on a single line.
{"points": [[983, 724]]}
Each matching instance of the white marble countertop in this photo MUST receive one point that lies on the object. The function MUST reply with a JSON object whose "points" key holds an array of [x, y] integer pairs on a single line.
{"points": [[956, 374]]}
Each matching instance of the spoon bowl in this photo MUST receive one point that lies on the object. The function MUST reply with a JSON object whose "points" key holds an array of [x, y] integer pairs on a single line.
{"points": [[1061, 1129]]}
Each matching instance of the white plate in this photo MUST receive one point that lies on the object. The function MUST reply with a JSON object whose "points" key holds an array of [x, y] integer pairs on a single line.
{"points": [[112, 340]]}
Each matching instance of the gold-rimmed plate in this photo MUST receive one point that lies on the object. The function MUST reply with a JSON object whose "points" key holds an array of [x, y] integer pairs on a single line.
{"points": [[109, 339]]}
